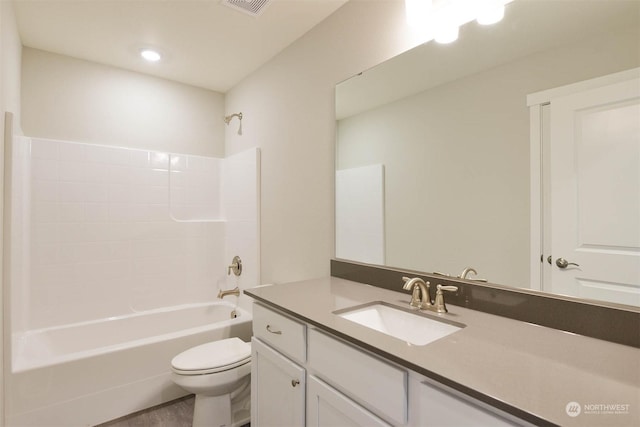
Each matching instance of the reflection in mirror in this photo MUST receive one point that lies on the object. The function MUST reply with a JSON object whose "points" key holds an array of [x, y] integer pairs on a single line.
{"points": [[451, 129]]}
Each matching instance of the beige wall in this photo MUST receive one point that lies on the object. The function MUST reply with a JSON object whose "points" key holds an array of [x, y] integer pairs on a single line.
{"points": [[76, 100], [288, 108], [9, 101], [11, 54], [457, 160]]}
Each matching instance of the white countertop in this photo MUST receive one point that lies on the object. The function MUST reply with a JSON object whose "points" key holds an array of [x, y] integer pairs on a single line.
{"points": [[525, 369]]}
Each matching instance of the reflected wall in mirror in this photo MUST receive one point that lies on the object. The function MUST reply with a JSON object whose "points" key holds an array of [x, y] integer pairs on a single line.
{"points": [[451, 127]]}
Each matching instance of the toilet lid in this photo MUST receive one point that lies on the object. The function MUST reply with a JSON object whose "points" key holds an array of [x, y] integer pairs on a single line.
{"points": [[212, 357]]}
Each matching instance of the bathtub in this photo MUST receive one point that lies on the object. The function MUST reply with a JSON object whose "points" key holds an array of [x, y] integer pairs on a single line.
{"points": [[88, 373]]}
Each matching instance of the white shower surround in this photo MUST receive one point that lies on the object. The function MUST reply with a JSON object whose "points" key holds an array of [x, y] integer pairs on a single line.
{"points": [[100, 232], [99, 237]]}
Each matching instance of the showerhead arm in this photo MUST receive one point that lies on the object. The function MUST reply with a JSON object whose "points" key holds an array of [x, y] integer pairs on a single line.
{"points": [[227, 119]]}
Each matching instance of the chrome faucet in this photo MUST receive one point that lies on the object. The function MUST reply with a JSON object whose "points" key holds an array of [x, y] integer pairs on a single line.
{"points": [[419, 292], [235, 291]]}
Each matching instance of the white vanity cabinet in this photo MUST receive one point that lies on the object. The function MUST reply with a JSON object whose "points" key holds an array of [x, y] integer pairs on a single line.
{"points": [[305, 376], [278, 379]]}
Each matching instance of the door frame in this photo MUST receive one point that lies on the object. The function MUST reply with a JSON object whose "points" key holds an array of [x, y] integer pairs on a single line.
{"points": [[540, 230]]}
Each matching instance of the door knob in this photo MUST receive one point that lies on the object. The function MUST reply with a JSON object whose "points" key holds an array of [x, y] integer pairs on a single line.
{"points": [[563, 263]]}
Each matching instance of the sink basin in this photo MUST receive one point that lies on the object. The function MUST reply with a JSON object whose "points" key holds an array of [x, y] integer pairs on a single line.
{"points": [[407, 325]]}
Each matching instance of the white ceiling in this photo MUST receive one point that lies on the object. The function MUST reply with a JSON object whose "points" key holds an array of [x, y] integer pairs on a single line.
{"points": [[204, 43]]}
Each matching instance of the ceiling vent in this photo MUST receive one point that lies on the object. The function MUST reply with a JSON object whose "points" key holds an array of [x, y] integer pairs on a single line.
{"points": [[250, 7]]}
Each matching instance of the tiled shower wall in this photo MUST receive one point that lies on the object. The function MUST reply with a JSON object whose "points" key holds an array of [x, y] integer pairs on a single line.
{"points": [[105, 240], [241, 205]]}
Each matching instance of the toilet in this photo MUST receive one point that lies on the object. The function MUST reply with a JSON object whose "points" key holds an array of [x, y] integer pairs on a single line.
{"points": [[219, 374]]}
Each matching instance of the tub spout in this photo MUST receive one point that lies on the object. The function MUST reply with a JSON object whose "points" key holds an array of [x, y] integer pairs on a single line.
{"points": [[235, 291]]}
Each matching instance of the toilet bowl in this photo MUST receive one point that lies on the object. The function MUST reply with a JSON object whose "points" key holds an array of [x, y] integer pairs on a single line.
{"points": [[219, 374]]}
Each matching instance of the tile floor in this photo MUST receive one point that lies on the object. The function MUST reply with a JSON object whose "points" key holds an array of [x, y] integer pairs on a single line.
{"points": [[177, 413]]}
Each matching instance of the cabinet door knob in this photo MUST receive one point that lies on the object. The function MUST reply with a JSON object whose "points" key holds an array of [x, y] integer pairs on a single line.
{"points": [[272, 331], [295, 383]]}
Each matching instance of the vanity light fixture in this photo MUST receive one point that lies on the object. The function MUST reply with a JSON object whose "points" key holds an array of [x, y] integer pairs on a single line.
{"points": [[150, 55], [443, 18]]}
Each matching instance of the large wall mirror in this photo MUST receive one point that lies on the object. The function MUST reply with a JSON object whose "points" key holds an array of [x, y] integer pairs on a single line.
{"points": [[434, 152]]}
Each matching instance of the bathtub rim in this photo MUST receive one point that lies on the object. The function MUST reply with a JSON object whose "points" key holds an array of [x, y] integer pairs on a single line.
{"points": [[16, 368]]}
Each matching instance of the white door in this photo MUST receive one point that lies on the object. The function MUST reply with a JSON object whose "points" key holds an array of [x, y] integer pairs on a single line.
{"points": [[595, 193]]}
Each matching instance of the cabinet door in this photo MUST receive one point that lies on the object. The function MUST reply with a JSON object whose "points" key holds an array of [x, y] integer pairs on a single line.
{"points": [[277, 388], [433, 405], [328, 407]]}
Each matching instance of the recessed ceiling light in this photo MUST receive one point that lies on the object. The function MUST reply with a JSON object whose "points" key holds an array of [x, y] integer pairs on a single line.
{"points": [[150, 55]]}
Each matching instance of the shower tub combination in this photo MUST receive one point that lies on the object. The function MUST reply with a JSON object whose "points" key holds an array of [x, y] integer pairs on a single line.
{"points": [[91, 372], [115, 254]]}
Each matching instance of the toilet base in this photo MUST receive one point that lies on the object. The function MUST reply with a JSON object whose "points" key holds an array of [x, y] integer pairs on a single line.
{"points": [[229, 410], [213, 411]]}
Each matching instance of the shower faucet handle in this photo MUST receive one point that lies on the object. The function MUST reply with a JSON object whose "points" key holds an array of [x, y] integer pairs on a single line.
{"points": [[236, 266]]}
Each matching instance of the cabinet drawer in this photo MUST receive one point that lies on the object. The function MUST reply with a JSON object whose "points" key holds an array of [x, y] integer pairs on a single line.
{"points": [[282, 332], [377, 385]]}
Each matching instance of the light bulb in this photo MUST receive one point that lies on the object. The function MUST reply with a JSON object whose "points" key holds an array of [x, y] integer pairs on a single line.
{"points": [[417, 12], [447, 34], [492, 13]]}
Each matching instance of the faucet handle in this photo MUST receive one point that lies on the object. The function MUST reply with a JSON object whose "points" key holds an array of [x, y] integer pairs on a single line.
{"points": [[236, 266], [439, 304], [437, 273]]}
